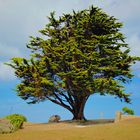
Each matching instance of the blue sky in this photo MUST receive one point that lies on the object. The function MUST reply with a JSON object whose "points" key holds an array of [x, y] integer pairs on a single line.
{"points": [[20, 19]]}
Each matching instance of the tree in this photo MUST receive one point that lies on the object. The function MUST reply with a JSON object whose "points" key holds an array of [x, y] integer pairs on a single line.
{"points": [[128, 111], [80, 54]]}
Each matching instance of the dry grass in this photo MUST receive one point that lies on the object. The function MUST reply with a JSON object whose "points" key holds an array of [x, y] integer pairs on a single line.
{"points": [[125, 130]]}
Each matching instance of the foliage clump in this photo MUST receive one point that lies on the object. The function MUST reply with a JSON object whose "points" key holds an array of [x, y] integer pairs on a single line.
{"points": [[128, 111], [16, 120]]}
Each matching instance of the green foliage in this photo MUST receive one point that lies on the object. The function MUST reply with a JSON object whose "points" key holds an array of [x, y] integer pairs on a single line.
{"points": [[16, 120], [128, 111], [80, 54]]}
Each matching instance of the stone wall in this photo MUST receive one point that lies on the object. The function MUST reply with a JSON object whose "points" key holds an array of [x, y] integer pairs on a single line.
{"points": [[120, 117], [127, 117]]}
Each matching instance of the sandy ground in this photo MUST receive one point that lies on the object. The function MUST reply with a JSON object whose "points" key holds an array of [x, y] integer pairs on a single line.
{"points": [[46, 127], [124, 130]]}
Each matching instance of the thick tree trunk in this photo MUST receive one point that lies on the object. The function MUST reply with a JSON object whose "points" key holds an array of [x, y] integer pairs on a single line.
{"points": [[76, 105], [79, 116], [78, 110]]}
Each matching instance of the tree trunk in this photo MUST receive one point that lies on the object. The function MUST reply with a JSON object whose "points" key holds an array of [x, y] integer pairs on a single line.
{"points": [[79, 116], [76, 106], [78, 110]]}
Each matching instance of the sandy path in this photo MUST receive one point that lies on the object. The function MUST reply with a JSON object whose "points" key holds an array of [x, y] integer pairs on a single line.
{"points": [[43, 126]]}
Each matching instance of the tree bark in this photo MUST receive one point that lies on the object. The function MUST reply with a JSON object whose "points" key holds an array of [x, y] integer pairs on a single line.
{"points": [[79, 116], [78, 110]]}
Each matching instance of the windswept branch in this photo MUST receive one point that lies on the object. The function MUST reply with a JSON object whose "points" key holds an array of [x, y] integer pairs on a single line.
{"points": [[59, 102]]}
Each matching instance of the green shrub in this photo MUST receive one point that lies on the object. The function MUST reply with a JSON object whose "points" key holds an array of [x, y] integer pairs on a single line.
{"points": [[16, 120], [128, 111]]}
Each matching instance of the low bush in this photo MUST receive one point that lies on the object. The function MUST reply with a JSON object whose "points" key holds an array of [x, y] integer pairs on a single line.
{"points": [[16, 120], [128, 111]]}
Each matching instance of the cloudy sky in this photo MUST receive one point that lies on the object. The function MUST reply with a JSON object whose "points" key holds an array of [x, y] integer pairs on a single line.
{"points": [[20, 19]]}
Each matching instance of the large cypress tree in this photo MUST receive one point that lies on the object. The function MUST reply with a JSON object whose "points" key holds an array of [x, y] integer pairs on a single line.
{"points": [[79, 54]]}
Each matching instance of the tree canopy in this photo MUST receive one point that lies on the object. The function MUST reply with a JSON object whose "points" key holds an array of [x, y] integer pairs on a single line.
{"points": [[78, 55]]}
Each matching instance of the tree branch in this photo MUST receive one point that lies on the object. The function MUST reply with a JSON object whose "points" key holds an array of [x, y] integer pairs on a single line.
{"points": [[59, 102]]}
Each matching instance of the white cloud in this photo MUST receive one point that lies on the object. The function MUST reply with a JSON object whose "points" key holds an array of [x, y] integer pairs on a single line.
{"points": [[6, 72], [134, 44], [9, 51], [124, 9]]}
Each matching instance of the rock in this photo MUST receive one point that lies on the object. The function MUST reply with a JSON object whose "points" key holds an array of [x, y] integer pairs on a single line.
{"points": [[6, 126], [54, 118]]}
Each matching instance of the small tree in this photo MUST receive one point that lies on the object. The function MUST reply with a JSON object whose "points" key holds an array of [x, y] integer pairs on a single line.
{"points": [[80, 54], [128, 111]]}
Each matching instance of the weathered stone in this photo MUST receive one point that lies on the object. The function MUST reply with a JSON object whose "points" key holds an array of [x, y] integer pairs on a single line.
{"points": [[54, 118], [6, 126], [118, 116]]}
